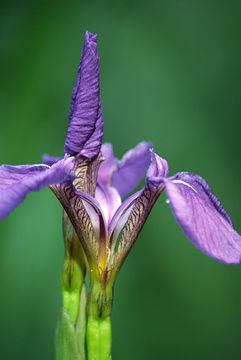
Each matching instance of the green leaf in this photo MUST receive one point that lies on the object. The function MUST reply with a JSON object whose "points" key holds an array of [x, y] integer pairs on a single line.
{"points": [[80, 327], [66, 341]]}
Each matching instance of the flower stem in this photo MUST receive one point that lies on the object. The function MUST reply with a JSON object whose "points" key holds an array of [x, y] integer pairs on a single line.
{"points": [[71, 327]]}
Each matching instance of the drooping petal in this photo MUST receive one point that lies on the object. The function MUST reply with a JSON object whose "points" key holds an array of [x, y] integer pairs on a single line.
{"points": [[131, 168], [108, 165], [109, 200], [17, 181], [50, 160], [85, 117], [202, 218], [140, 209]]}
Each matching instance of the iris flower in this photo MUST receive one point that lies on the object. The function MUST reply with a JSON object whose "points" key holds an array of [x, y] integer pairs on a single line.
{"points": [[93, 186]]}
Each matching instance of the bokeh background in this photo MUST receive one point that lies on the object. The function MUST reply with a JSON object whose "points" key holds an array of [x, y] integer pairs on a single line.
{"points": [[170, 74]]}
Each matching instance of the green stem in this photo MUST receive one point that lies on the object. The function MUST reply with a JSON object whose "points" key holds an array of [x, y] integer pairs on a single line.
{"points": [[73, 271], [99, 321]]}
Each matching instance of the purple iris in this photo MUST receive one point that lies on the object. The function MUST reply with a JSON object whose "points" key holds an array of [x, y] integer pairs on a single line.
{"points": [[90, 183]]}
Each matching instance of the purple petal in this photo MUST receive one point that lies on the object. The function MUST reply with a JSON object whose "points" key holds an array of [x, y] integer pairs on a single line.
{"points": [[109, 200], [202, 218], [108, 165], [93, 144], [17, 181], [50, 160], [131, 169], [85, 117]]}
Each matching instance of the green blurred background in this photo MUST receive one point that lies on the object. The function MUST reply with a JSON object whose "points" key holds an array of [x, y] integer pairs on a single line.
{"points": [[170, 74]]}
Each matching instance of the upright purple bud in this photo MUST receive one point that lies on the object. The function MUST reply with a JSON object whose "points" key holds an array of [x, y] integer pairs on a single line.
{"points": [[85, 117]]}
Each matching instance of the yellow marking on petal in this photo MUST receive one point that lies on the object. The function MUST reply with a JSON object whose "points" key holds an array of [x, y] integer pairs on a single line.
{"points": [[131, 226], [80, 174]]}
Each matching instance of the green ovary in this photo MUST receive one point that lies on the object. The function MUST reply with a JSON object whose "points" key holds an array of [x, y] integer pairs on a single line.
{"points": [[99, 338]]}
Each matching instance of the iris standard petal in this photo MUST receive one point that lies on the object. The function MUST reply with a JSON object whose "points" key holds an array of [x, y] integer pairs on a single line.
{"points": [[108, 165], [85, 117], [202, 218], [17, 181], [131, 169]]}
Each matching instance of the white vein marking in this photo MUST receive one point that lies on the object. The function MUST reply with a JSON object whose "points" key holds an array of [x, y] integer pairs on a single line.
{"points": [[184, 183]]}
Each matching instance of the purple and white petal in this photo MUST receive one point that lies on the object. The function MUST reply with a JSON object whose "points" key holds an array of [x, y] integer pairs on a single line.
{"points": [[17, 181], [137, 208], [109, 200], [202, 218], [120, 218], [131, 169], [122, 209], [96, 214], [108, 165], [85, 117]]}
